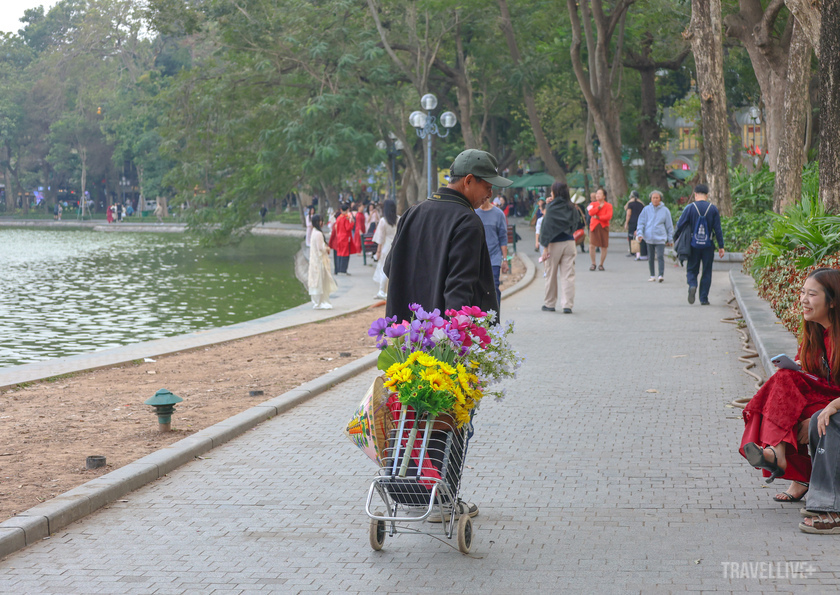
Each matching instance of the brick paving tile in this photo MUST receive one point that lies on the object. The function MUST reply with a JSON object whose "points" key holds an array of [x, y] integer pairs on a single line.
{"points": [[610, 467]]}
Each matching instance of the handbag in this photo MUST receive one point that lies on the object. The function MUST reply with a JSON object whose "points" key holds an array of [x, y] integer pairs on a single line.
{"points": [[578, 236], [635, 246]]}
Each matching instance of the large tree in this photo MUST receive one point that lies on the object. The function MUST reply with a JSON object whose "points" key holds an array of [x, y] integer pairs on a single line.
{"points": [[599, 82], [705, 34], [830, 106], [551, 164]]}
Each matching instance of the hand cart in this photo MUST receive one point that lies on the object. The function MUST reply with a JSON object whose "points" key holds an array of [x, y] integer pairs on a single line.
{"points": [[429, 487]]}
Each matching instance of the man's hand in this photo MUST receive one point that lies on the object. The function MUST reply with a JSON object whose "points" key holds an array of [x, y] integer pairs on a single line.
{"points": [[504, 266], [720, 252]]}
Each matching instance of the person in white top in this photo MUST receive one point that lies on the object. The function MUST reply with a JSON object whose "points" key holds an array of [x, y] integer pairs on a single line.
{"points": [[321, 283], [383, 236]]}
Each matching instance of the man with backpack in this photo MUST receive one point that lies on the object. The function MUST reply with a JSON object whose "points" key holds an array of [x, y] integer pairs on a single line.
{"points": [[702, 220]]}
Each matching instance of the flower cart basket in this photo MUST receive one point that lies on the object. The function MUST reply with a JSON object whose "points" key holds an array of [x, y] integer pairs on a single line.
{"points": [[429, 487]]}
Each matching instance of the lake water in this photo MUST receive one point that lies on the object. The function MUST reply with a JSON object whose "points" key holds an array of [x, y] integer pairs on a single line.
{"points": [[68, 292]]}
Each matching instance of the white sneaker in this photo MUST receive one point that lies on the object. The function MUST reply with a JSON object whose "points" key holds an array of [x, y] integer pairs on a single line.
{"points": [[380, 296], [651, 279], [463, 507], [325, 306], [661, 279]]}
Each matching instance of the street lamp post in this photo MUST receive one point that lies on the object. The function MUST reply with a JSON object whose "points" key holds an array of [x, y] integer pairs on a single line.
{"points": [[123, 184], [393, 146], [426, 127]]}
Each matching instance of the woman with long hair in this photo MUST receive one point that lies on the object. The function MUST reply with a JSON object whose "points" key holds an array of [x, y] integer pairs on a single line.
{"points": [[321, 284], [559, 224], [383, 236], [776, 419]]}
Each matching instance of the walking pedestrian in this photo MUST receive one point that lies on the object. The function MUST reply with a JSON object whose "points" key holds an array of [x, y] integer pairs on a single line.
{"points": [[384, 236], [632, 210], [560, 222], [495, 235], [656, 227], [600, 213], [702, 220], [263, 213], [321, 284], [341, 239], [358, 229], [439, 258]]}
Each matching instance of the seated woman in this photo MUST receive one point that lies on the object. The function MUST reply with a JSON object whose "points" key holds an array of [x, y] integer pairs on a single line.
{"points": [[777, 417]]}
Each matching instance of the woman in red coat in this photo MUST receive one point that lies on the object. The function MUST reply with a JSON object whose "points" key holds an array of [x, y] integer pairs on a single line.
{"points": [[356, 244], [776, 419], [341, 238]]}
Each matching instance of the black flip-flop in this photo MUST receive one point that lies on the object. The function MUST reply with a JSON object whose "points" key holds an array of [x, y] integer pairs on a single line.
{"points": [[787, 497], [755, 456]]}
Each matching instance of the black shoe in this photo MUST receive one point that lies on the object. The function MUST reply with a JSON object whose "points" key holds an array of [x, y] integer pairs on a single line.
{"points": [[630, 255], [755, 456], [547, 309], [705, 303], [567, 310], [692, 291]]}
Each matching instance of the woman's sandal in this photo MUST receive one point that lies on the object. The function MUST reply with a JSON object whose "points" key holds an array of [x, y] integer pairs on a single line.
{"points": [[592, 268], [825, 523], [600, 267], [755, 457], [788, 497]]}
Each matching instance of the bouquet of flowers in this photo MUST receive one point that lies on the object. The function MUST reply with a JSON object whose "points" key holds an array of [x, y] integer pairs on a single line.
{"points": [[438, 365]]}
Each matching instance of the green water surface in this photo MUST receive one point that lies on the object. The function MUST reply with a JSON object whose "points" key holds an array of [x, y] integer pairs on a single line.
{"points": [[66, 292]]}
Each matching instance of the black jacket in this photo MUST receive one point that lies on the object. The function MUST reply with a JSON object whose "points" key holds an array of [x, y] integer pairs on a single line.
{"points": [[439, 258]]}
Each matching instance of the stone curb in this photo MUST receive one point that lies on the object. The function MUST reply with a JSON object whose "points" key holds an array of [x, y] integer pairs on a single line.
{"points": [[769, 335], [45, 519]]}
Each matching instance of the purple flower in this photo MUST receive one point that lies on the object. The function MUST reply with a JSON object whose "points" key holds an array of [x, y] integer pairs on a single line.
{"points": [[415, 307], [382, 344], [396, 331], [378, 327]]}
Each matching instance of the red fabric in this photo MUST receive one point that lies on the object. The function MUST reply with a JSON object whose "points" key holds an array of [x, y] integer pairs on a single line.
{"points": [[340, 237], [787, 398], [601, 215], [356, 243]]}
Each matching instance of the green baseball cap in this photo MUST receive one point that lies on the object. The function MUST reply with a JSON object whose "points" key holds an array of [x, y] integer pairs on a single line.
{"points": [[481, 164]]}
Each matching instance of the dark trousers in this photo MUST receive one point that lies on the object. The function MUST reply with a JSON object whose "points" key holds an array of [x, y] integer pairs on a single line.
{"points": [[706, 257], [496, 271], [824, 490], [341, 263]]}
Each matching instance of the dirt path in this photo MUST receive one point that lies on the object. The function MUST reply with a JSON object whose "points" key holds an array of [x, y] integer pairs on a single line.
{"points": [[48, 429]]}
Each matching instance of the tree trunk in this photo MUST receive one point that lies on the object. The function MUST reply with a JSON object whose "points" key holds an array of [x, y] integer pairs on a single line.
{"points": [[597, 84], [591, 159], [705, 35], [807, 14], [830, 107], [755, 27], [552, 167], [791, 148]]}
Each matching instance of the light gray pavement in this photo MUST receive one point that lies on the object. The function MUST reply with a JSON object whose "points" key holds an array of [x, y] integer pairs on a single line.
{"points": [[587, 481]]}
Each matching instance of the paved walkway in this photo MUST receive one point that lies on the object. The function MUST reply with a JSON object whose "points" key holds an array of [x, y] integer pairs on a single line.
{"points": [[610, 468]]}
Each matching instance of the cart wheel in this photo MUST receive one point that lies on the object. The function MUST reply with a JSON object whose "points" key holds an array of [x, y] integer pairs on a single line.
{"points": [[465, 533], [377, 534]]}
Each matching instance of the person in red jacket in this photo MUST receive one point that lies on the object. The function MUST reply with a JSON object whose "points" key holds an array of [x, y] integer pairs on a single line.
{"points": [[600, 213], [341, 238], [359, 229]]}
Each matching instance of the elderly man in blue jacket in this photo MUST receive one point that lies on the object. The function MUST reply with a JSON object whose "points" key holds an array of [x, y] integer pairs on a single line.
{"points": [[702, 247]]}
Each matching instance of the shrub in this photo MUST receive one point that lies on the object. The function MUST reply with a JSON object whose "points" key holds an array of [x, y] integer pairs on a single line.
{"points": [[780, 282]]}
